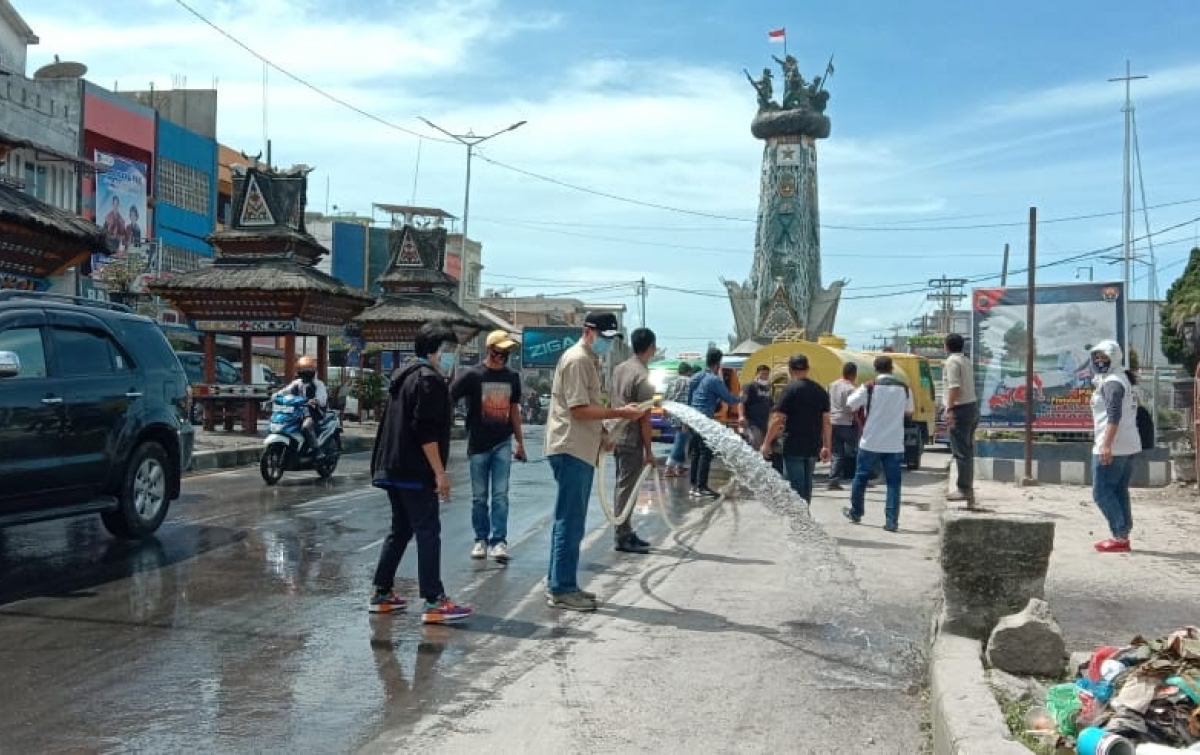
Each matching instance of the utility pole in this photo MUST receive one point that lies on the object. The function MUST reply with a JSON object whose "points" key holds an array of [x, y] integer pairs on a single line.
{"points": [[1030, 345], [642, 296], [1127, 192], [947, 292], [1004, 269], [469, 140]]}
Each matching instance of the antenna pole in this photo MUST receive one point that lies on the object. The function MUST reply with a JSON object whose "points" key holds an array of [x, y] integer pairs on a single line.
{"points": [[1127, 194]]}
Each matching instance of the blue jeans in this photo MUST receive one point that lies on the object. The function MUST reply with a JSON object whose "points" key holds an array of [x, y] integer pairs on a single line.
{"points": [[491, 469], [574, 477], [799, 472], [867, 461], [1110, 490], [679, 448]]}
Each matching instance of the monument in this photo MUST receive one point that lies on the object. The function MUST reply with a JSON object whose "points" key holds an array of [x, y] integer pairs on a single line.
{"points": [[784, 293]]}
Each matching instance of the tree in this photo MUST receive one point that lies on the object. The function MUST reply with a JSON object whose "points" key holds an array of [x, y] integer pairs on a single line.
{"points": [[1182, 305]]}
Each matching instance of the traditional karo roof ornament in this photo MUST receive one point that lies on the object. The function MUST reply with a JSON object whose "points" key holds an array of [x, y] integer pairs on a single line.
{"points": [[255, 211], [409, 255]]}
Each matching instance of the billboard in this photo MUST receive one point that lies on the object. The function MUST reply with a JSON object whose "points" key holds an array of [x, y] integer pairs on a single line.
{"points": [[1068, 320], [121, 201], [542, 346]]}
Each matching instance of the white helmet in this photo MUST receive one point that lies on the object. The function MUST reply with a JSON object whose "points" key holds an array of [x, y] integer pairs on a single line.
{"points": [[1112, 350]]}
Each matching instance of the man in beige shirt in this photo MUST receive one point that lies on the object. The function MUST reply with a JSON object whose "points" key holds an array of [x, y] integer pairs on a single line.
{"points": [[962, 416], [574, 438]]}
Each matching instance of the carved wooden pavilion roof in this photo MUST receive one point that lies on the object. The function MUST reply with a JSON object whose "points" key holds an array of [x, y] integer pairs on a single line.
{"points": [[39, 240]]}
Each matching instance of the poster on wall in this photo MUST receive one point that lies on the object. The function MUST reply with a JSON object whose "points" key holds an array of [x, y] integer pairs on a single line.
{"points": [[121, 201], [1068, 320], [541, 347]]}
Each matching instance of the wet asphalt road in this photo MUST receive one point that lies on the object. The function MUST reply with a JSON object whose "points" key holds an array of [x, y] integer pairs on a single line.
{"points": [[242, 627]]}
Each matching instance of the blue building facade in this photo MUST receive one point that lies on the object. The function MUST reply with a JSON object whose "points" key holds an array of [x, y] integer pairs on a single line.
{"points": [[185, 192]]}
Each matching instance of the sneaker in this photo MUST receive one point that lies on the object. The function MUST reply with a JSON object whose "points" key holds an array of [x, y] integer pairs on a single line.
{"points": [[572, 601], [584, 593], [500, 553], [479, 550], [694, 492], [835, 485], [444, 611], [891, 527], [846, 512], [707, 493], [634, 537], [1113, 545], [387, 602], [631, 544], [961, 495]]}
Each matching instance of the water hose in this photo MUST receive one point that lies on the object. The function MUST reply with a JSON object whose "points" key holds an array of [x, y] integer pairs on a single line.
{"points": [[602, 492]]}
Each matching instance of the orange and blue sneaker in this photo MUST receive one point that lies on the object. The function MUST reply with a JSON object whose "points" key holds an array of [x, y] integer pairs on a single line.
{"points": [[387, 601], [444, 611]]}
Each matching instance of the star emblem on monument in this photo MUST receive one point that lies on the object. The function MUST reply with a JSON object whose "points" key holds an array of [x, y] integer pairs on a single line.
{"points": [[789, 153]]}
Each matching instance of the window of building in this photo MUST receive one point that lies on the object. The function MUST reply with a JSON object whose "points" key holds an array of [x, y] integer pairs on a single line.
{"points": [[179, 260], [183, 186]]}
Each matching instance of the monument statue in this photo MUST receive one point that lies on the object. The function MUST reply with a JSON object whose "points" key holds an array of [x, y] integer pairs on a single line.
{"points": [[784, 292]]}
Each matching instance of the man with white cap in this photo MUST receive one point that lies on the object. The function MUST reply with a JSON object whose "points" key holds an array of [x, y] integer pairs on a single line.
{"points": [[493, 395]]}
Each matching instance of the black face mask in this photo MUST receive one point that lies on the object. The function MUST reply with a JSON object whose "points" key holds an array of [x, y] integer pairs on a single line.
{"points": [[500, 356], [307, 376]]}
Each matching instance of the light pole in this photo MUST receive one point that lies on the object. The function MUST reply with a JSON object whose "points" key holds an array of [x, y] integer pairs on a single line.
{"points": [[470, 140]]}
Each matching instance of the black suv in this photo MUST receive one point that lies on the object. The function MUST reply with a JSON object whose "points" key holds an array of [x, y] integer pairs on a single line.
{"points": [[93, 407]]}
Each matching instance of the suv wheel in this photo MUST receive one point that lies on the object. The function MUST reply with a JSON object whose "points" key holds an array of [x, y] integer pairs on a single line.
{"points": [[142, 502]]}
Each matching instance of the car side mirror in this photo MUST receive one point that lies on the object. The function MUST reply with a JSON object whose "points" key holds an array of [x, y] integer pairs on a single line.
{"points": [[10, 364]]}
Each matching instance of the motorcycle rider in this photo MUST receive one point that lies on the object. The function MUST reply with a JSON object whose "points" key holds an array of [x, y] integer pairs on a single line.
{"points": [[308, 385]]}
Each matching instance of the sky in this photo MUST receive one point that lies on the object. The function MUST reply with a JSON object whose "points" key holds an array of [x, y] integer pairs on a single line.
{"points": [[950, 120]]}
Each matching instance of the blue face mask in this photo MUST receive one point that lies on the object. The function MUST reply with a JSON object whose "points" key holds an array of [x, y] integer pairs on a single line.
{"points": [[446, 361], [602, 346]]}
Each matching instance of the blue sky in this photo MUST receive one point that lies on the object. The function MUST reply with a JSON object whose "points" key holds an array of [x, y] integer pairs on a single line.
{"points": [[950, 119]]}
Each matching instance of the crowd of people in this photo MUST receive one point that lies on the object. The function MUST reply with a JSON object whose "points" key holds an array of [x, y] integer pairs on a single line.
{"points": [[858, 428]]}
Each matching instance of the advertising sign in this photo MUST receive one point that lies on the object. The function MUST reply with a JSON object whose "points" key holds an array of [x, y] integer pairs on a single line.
{"points": [[121, 201], [1068, 320], [542, 346]]}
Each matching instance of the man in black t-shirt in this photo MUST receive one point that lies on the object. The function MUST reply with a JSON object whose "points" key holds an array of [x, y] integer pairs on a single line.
{"points": [[493, 395], [802, 411], [756, 406]]}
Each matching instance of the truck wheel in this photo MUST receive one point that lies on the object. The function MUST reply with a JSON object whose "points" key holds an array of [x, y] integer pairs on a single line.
{"points": [[142, 501]]}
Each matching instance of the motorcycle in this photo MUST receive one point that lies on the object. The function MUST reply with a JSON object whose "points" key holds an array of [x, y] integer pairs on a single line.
{"points": [[287, 450], [533, 414]]}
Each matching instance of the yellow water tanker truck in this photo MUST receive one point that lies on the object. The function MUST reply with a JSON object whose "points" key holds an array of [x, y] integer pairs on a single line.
{"points": [[825, 360]]}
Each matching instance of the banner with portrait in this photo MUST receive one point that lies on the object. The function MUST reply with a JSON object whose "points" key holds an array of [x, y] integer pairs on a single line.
{"points": [[121, 192], [1068, 320]]}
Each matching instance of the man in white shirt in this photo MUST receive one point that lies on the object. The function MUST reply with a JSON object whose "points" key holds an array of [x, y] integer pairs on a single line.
{"points": [[885, 401]]}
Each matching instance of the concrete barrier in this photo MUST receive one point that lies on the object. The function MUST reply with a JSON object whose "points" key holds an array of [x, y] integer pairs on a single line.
{"points": [[966, 719], [1066, 463], [992, 564], [248, 455]]}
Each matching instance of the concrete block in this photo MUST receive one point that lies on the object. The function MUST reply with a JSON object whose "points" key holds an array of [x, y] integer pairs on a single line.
{"points": [[966, 717], [1029, 642], [992, 564]]}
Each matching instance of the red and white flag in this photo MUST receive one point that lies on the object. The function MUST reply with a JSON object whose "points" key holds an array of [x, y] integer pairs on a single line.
{"points": [[777, 35]]}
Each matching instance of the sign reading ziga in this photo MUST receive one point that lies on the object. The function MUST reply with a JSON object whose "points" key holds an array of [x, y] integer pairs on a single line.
{"points": [[267, 327], [542, 347]]}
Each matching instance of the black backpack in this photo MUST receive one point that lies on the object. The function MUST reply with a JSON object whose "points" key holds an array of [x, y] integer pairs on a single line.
{"points": [[1145, 427]]}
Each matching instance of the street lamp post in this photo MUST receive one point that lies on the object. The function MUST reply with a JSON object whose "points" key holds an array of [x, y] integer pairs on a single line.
{"points": [[470, 140]]}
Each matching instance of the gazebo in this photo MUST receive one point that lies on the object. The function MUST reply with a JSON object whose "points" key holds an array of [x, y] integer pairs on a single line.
{"points": [[416, 291], [38, 240], [263, 282]]}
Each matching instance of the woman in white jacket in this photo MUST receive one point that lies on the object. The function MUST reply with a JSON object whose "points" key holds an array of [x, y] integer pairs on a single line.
{"points": [[1114, 416]]}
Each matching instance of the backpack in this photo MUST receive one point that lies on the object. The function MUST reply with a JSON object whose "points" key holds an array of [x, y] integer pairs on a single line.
{"points": [[1145, 427]]}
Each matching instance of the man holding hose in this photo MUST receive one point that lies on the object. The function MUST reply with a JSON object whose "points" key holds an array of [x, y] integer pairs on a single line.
{"points": [[632, 450]]}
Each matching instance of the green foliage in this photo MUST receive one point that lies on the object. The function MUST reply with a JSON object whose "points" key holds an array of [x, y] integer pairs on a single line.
{"points": [[1183, 302], [369, 389]]}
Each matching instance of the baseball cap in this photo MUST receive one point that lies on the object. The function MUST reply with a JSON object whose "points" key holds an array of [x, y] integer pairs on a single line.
{"points": [[500, 340], [604, 323]]}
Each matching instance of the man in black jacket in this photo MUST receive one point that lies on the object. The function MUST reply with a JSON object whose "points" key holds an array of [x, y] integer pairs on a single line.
{"points": [[409, 462]]}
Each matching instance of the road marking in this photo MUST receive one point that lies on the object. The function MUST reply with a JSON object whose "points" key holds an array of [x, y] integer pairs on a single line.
{"points": [[375, 544]]}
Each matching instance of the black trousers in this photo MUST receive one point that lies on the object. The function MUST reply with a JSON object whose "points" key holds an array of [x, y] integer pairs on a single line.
{"points": [[702, 457], [415, 513]]}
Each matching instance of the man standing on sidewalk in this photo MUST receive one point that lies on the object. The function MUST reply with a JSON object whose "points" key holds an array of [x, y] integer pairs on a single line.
{"points": [[707, 391], [678, 392], [886, 401], [574, 437], [633, 451], [803, 412], [756, 406], [845, 427], [1114, 414], [493, 395], [409, 462], [962, 417]]}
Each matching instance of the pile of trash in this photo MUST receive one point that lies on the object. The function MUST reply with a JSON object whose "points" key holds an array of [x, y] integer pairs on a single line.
{"points": [[1147, 692]]}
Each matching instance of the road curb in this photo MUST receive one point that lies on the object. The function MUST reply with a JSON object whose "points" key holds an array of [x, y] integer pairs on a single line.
{"points": [[242, 456], [965, 716]]}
